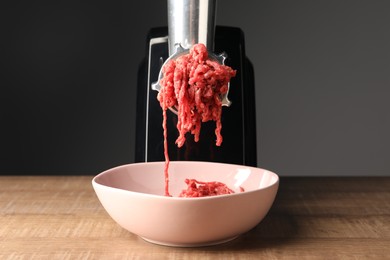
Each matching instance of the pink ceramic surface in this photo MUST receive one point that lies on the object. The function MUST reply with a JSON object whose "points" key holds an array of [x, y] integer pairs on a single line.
{"points": [[133, 195]]}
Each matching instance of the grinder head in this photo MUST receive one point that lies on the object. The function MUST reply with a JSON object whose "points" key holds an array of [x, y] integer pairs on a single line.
{"points": [[191, 22]]}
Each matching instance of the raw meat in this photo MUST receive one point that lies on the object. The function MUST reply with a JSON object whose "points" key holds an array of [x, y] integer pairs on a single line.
{"points": [[193, 84]]}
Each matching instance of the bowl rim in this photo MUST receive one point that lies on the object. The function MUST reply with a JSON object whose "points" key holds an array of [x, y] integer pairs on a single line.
{"points": [[147, 195]]}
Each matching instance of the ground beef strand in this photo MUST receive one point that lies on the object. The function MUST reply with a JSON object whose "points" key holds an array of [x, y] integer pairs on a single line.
{"points": [[193, 84]]}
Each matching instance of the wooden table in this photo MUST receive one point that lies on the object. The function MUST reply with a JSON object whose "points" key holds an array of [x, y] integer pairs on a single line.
{"points": [[49, 217]]}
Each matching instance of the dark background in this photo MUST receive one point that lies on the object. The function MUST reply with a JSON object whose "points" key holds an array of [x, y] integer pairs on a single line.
{"points": [[69, 74]]}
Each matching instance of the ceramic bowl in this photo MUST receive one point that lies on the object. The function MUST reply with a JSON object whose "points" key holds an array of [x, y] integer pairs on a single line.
{"points": [[133, 195]]}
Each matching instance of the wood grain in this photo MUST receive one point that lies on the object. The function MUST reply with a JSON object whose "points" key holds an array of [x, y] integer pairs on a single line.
{"points": [[47, 217]]}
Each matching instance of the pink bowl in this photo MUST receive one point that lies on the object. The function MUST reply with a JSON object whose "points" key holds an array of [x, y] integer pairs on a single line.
{"points": [[133, 195]]}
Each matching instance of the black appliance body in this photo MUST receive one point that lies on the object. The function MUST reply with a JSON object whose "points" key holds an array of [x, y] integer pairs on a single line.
{"points": [[238, 120]]}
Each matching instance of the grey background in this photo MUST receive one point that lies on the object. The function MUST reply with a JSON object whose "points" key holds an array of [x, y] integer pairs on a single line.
{"points": [[69, 73]]}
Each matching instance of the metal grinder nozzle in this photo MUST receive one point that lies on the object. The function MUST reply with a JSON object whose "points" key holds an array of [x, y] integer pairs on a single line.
{"points": [[191, 22]]}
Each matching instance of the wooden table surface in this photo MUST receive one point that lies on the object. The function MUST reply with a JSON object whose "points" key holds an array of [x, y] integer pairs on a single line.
{"points": [[47, 217]]}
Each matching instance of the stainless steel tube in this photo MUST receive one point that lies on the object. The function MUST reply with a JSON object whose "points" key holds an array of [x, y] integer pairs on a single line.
{"points": [[191, 22]]}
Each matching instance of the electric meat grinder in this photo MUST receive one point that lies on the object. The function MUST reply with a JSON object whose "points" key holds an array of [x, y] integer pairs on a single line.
{"points": [[191, 22]]}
